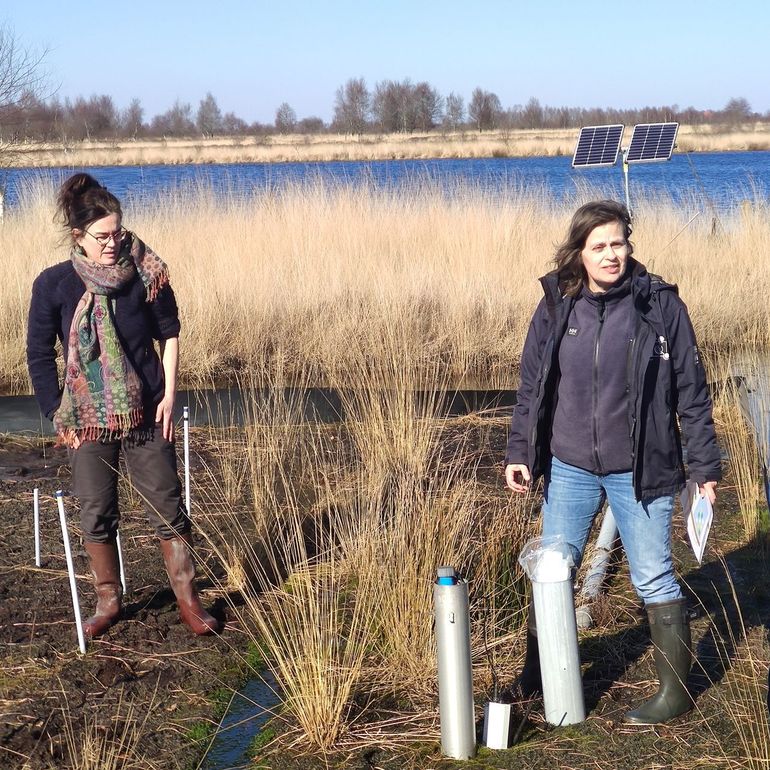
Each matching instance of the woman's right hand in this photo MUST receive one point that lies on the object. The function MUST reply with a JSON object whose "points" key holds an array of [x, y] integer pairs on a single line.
{"points": [[517, 478]]}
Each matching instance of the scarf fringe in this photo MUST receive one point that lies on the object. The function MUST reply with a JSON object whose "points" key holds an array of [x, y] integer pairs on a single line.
{"points": [[119, 426], [156, 284]]}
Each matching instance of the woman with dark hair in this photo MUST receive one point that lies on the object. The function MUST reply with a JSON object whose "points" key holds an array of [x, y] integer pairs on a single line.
{"points": [[609, 363], [108, 305]]}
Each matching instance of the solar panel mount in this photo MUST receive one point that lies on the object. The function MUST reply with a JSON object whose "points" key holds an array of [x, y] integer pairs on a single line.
{"points": [[597, 146]]}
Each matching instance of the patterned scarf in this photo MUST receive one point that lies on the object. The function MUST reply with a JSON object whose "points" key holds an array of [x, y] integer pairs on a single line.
{"points": [[102, 397]]}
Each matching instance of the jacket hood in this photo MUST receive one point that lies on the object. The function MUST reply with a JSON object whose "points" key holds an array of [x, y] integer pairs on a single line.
{"points": [[643, 285]]}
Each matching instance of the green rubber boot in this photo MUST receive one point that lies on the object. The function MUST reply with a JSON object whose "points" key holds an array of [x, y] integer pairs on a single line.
{"points": [[670, 631]]}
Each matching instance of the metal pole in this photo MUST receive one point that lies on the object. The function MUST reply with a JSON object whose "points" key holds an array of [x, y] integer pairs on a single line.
{"points": [[455, 677], [754, 402], [186, 423], [625, 178], [36, 514], [71, 572], [592, 585]]}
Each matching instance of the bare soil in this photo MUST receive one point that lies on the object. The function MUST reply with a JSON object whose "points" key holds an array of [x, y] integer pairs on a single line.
{"points": [[48, 691]]}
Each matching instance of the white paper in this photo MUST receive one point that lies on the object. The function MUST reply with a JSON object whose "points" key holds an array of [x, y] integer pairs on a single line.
{"points": [[700, 514]]}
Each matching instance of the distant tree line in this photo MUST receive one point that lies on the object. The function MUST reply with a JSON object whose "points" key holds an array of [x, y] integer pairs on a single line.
{"points": [[391, 106]]}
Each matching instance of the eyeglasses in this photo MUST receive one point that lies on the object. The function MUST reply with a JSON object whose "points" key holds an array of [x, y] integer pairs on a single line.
{"points": [[103, 240]]}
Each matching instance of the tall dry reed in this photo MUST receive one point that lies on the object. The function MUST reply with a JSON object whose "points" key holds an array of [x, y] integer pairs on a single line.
{"points": [[743, 699], [335, 543], [303, 278]]}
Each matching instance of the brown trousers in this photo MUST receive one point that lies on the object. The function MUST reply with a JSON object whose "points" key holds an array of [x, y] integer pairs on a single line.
{"points": [[152, 469]]}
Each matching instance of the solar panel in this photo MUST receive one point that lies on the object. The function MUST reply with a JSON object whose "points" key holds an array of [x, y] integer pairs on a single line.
{"points": [[597, 146], [651, 142]]}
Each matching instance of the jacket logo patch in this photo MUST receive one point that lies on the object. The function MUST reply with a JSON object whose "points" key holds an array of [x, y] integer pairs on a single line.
{"points": [[573, 331], [661, 348]]}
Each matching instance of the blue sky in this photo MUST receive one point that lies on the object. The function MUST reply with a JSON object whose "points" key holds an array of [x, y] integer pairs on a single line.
{"points": [[254, 55]]}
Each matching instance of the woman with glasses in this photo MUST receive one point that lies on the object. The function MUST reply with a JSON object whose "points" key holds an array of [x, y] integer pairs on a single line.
{"points": [[610, 369], [109, 304]]}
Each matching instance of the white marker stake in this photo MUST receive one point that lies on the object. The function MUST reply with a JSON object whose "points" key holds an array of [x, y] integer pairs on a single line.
{"points": [[71, 571], [120, 562], [36, 507], [186, 421]]}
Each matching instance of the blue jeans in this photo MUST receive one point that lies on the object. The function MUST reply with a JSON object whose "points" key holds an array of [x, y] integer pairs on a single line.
{"points": [[573, 497]]}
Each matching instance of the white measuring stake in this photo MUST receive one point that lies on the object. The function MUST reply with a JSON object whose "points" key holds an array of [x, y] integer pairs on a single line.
{"points": [[186, 423], [120, 562], [36, 509], [71, 571]]}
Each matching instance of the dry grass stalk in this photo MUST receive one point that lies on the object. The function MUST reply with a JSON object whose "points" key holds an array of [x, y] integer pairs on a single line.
{"points": [[738, 437], [744, 700], [115, 746]]}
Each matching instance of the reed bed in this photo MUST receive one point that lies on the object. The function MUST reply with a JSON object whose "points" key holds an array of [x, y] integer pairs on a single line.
{"points": [[309, 277], [335, 547], [280, 148]]}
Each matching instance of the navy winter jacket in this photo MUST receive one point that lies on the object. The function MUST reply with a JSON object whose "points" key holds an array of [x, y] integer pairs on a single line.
{"points": [[55, 295], [665, 379]]}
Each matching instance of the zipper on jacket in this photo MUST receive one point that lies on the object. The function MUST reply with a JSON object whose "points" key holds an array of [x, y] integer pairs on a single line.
{"points": [[595, 389], [631, 386]]}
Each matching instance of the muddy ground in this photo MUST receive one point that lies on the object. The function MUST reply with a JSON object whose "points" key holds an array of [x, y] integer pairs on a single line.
{"points": [[150, 674], [49, 693]]}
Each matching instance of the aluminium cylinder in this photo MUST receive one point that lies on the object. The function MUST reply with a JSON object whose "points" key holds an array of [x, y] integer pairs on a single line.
{"points": [[455, 677]]}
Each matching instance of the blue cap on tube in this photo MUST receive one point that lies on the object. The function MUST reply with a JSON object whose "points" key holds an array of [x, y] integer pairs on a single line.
{"points": [[447, 576]]}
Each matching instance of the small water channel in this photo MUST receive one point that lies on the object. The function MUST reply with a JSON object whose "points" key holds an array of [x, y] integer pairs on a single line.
{"points": [[249, 711], [232, 406]]}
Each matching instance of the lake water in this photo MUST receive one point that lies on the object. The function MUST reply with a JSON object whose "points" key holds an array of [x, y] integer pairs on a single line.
{"points": [[707, 180]]}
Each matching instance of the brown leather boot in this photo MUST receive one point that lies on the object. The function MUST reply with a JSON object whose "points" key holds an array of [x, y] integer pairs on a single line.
{"points": [[177, 553], [109, 592]]}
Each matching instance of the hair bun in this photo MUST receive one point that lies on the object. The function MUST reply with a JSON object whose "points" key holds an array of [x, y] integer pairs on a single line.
{"points": [[78, 184], [71, 196]]}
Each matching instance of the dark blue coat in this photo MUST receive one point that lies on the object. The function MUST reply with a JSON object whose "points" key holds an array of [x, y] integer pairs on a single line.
{"points": [[665, 378], [55, 294]]}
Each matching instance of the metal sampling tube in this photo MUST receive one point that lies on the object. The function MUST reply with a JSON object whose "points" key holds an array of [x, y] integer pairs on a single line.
{"points": [[455, 678], [548, 564]]}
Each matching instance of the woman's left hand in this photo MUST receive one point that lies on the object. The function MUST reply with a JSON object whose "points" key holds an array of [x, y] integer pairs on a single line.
{"points": [[709, 491], [169, 354], [165, 414]]}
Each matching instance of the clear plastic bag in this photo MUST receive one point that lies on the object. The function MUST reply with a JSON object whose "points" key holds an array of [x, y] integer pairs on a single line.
{"points": [[547, 559]]}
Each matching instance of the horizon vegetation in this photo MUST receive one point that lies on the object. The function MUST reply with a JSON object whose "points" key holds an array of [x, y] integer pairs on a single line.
{"points": [[329, 147]]}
